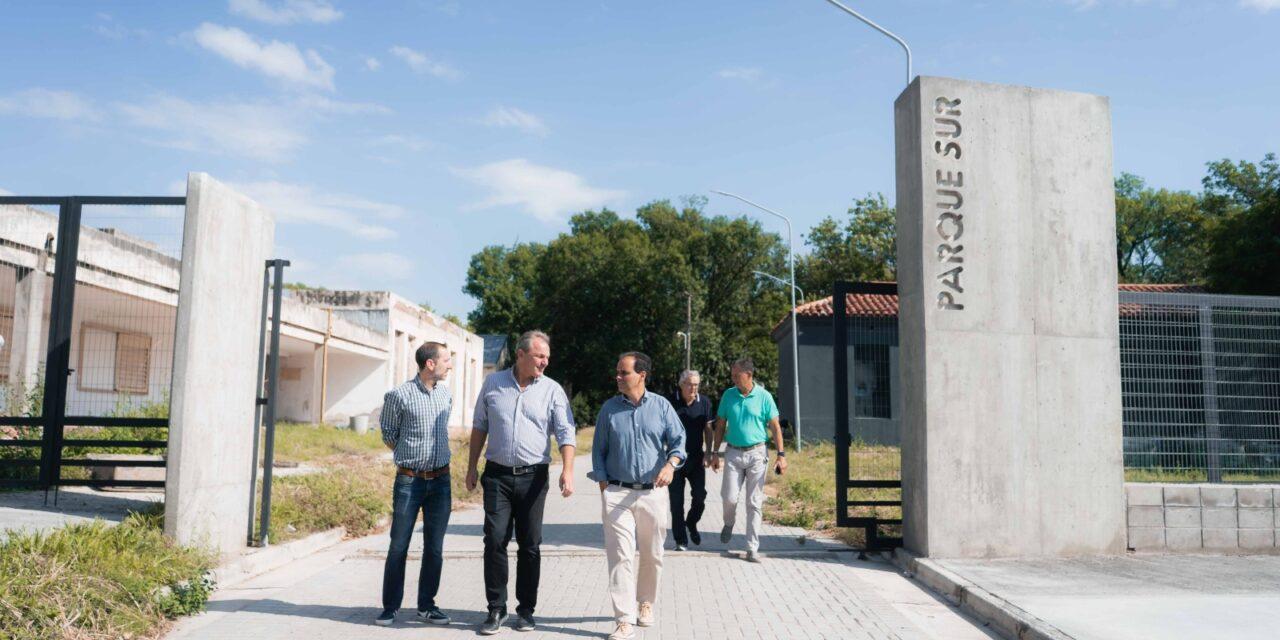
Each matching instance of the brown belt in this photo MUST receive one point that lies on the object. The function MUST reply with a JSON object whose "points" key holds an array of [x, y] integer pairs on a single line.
{"points": [[425, 475]]}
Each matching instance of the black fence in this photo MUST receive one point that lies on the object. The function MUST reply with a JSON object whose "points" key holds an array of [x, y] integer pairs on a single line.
{"points": [[1201, 387], [88, 299]]}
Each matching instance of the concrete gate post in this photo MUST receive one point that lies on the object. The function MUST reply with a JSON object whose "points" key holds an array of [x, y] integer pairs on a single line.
{"points": [[1011, 433], [226, 241]]}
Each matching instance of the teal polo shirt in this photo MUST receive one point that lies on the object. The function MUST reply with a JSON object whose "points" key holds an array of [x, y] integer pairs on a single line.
{"points": [[747, 416]]}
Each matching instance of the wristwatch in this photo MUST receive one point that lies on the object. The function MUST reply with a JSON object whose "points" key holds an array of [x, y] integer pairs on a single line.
{"points": [[782, 454]]}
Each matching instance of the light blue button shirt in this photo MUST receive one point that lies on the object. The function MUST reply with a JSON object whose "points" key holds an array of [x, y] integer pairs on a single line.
{"points": [[520, 422], [633, 441]]}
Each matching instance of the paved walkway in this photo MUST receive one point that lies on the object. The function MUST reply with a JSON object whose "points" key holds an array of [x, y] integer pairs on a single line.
{"points": [[41, 511], [803, 589]]}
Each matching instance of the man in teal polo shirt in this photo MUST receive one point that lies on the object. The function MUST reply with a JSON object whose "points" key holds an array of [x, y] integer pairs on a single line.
{"points": [[746, 416]]}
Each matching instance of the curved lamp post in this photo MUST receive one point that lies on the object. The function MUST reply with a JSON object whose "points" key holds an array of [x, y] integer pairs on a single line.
{"points": [[879, 28], [795, 330], [781, 282]]}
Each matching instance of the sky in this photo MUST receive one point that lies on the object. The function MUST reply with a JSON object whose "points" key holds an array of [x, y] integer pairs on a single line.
{"points": [[393, 139]]}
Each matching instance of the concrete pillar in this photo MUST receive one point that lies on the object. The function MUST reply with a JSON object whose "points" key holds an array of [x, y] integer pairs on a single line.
{"points": [[226, 241], [1008, 321], [28, 325]]}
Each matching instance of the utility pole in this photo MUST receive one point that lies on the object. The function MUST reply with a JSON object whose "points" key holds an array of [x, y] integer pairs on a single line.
{"points": [[688, 331]]}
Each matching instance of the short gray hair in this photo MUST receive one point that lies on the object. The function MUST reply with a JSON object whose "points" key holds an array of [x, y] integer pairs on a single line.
{"points": [[689, 373], [745, 365], [526, 339]]}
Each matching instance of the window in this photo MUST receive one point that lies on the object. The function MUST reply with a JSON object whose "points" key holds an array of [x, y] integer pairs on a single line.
{"points": [[115, 361]]}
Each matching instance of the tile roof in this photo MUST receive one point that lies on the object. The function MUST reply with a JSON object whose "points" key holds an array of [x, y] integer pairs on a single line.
{"points": [[875, 305]]}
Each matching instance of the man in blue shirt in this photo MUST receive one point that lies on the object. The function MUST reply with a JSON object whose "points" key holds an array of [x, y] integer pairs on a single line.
{"points": [[517, 411], [415, 426], [639, 443]]}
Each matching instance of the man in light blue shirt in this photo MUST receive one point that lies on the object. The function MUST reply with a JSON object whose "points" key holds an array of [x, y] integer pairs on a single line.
{"points": [[639, 443], [517, 411]]}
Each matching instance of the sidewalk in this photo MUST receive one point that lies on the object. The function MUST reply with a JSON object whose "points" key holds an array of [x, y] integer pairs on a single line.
{"points": [[814, 589]]}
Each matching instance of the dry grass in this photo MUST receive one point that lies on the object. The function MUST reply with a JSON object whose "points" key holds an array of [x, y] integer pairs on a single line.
{"points": [[805, 496]]}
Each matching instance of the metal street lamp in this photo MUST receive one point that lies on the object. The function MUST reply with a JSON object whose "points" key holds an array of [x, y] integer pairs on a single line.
{"points": [[795, 329], [879, 28], [781, 282]]}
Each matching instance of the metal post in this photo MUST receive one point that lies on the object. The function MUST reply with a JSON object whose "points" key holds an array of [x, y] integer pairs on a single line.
{"points": [[1209, 387], [881, 29], [781, 282], [688, 331], [258, 399], [795, 329], [840, 359], [273, 381], [58, 359]]}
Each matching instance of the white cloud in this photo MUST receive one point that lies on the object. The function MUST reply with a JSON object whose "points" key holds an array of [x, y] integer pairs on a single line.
{"points": [[47, 103], [321, 104], [748, 74], [287, 12], [108, 27], [257, 130], [5, 192], [420, 63], [545, 192], [412, 143], [515, 118], [1262, 6], [303, 204], [274, 59], [371, 63]]}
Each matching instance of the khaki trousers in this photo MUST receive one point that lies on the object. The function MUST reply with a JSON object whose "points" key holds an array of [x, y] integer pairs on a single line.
{"points": [[634, 519], [745, 468]]}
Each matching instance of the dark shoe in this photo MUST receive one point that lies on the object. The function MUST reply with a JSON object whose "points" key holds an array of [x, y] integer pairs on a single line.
{"points": [[524, 622], [726, 534], [694, 536], [433, 615], [388, 616], [493, 623]]}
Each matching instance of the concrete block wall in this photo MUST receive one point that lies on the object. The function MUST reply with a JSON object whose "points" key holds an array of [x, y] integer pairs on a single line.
{"points": [[1202, 517]]}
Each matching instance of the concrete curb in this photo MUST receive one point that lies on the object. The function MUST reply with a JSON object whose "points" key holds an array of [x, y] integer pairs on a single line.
{"points": [[260, 561], [1004, 617]]}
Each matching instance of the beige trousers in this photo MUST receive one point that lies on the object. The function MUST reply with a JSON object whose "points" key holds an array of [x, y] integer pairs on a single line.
{"points": [[745, 468], [634, 519]]}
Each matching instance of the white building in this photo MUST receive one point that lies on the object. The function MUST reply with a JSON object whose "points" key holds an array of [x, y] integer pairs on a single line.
{"points": [[340, 350]]}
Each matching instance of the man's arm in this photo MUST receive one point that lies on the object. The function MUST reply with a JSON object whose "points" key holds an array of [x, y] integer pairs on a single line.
{"points": [[389, 420], [775, 426], [715, 443], [566, 437], [599, 449]]}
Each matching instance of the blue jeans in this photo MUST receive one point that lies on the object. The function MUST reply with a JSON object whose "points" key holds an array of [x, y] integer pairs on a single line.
{"points": [[435, 499]]}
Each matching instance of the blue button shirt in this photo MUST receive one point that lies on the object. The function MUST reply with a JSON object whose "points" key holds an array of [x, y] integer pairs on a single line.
{"points": [[633, 441], [520, 421], [415, 420]]}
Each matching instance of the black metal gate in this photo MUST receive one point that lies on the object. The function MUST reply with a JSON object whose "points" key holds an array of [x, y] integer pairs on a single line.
{"points": [[42, 433], [868, 458]]}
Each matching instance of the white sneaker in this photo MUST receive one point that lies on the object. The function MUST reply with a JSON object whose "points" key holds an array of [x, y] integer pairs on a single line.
{"points": [[624, 632], [645, 617], [752, 556]]}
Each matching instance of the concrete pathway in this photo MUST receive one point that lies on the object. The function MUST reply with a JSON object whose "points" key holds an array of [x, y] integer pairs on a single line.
{"points": [[803, 589], [1139, 597], [37, 511]]}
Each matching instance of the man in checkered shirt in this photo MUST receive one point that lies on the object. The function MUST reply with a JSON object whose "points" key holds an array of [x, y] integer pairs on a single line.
{"points": [[415, 426]]}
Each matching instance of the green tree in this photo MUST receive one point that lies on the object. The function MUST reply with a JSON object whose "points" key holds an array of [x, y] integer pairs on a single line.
{"points": [[862, 247], [1242, 201], [610, 285], [1160, 234]]}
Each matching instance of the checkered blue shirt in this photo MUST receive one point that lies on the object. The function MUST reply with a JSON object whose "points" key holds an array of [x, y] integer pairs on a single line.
{"points": [[415, 421]]}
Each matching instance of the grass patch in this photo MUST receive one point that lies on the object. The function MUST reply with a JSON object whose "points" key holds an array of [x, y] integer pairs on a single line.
{"points": [[583, 446], [99, 581], [806, 495], [1156, 474], [355, 489], [297, 442]]}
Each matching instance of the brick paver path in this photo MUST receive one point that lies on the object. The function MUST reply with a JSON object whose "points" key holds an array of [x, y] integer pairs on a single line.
{"points": [[810, 589]]}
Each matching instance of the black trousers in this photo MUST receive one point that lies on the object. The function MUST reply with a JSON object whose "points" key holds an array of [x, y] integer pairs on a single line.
{"points": [[513, 504], [696, 476]]}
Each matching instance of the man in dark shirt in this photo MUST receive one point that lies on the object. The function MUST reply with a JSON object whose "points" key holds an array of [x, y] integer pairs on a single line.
{"points": [[696, 414]]}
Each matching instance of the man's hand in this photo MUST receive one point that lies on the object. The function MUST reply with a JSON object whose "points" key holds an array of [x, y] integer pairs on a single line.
{"points": [[471, 478], [602, 484], [566, 483], [716, 463], [664, 476], [708, 461], [781, 466]]}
